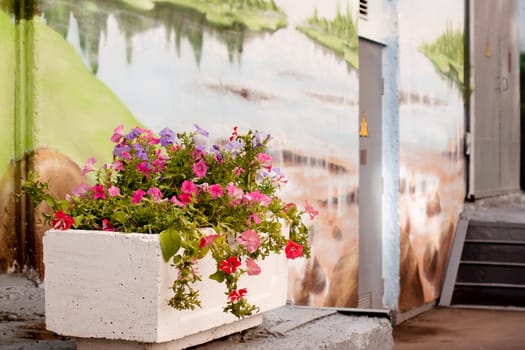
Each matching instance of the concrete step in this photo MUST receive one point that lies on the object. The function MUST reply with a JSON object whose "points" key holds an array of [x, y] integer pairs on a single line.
{"points": [[491, 272], [487, 263], [484, 230], [489, 294], [494, 250]]}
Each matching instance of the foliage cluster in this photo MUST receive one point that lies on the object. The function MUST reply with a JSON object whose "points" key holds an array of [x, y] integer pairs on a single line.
{"points": [[176, 185]]}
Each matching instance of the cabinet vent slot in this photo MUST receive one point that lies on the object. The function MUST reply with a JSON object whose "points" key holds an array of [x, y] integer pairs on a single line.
{"points": [[363, 9]]}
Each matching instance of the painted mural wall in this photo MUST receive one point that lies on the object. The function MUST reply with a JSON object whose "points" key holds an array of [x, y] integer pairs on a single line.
{"points": [[175, 63], [522, 89], [7, 112], [432, 184]]}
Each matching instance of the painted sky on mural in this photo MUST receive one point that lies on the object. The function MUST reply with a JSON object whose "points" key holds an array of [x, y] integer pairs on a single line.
{"points": [[419, 76], [283, 67]]}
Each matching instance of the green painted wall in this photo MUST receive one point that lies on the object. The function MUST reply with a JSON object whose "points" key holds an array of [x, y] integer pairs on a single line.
{"points": [[7, 91], [74, 111], [7, 112]]}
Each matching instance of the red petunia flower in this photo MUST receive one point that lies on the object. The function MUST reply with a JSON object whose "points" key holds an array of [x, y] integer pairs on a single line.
{"points": [[293, 250], [62, 221], [107, 226], [236, 295], [230, 265]]}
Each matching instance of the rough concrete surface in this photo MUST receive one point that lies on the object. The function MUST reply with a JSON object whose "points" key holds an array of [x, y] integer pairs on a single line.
{"points": [[22, 316], [301, 328], [22, 326]]}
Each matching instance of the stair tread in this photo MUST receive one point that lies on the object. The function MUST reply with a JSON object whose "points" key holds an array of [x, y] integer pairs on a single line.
{"points": [[494, 241], [492, 263], [491, 285], [515, 223]]}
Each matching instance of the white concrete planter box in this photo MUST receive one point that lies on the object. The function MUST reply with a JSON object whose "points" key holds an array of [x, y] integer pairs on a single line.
{"points": [[116, 286]]}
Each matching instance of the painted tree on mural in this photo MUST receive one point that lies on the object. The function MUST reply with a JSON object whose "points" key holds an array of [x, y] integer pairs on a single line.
{"points": [[338, 34]]}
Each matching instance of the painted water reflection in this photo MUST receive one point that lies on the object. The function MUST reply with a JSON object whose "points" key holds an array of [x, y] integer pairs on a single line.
{"points": [[172, 69], [432, 185]]}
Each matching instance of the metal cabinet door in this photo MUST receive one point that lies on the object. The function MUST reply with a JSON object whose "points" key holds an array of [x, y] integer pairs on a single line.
{"points": [[494, 162], [370, 175]]}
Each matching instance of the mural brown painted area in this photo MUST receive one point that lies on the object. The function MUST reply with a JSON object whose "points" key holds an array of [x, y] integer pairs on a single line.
{"points": [[63, 175], [329, 278], [431, 197]]}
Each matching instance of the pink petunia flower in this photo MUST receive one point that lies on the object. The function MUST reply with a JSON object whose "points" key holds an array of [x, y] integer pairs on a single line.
{"points": [[311, 210], [254, 218], [160, 163], [249, 240], [144, 167], [118, 133], [203, 187], [265, 160], [118, 165], [155, 194], [80, 190], [137, 196], [113, 191], [206, 241], [238, 171], [234, 191], [215, 191], [252, 268], [189, 187], [200, 168], [98, 192], [89, 166], [125, 155], [176, 201], [258, 197]]}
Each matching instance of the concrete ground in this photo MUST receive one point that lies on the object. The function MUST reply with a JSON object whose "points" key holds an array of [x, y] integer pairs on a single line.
{"points": [[462, 329], [22, 326]]}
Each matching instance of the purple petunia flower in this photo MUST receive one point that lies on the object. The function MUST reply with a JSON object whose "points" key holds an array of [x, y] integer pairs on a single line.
{"points": [[201, 130], [133, 134], [216, 151], [117, 151], [260, 138], [234, 146], [167, 137], [140, 152]]}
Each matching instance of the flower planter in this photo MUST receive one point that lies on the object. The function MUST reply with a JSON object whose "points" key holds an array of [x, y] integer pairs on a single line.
{"points": [[116, 286]]}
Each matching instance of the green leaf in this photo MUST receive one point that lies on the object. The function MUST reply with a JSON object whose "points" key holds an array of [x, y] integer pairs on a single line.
{"points": [[169, 243], [120, 217], [218, 276], [79, 219]]}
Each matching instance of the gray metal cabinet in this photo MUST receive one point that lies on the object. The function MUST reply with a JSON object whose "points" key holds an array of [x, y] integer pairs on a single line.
{"points": [[494, 114]]}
